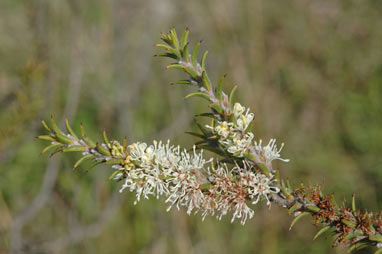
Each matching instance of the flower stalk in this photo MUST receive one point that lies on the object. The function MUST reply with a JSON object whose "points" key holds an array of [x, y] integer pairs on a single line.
{"points": [[242, 175]]}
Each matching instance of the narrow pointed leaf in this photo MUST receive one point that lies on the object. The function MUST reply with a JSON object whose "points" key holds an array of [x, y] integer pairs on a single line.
{"points": [[353, 207], [375, 238], [114, 161], [174, 66], [192, 73], [74, 149], [321, 231], [263, 168], [45, 126], [184, 38], [174, 38], [353, 235], [55, 127], [94, 164], [46, 137], [294, 208], [206, 81], [105, 139], [167, 54], [203, 61], [170, 49], [182, 82], [357, 246], [297, 219], [230, 98], [86, 157], [102, 150], [186, 54], [50, 147], [217, 108], [195, 54], [219, 88], [63, 139], [69, 129], [198, 94]]}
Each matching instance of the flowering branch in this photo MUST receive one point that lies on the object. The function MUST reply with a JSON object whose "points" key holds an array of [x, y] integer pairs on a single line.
{"points": [[244, 174]]}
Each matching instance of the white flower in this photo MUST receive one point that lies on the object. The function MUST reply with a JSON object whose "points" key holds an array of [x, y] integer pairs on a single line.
{"points": [[240, 145], [238, 110], [223, 129], [270, 151], [243, 121]]}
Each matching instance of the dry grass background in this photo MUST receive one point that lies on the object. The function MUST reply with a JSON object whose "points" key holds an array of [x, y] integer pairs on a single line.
{"points": [[310, 70]]}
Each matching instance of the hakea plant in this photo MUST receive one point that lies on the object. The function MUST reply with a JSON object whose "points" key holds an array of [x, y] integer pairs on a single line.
{"points": [[242, 175]]}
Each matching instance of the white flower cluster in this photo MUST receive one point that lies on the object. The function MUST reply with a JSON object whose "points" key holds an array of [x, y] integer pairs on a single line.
{"points": [[180, 176], [233, 188], [238, 141]]}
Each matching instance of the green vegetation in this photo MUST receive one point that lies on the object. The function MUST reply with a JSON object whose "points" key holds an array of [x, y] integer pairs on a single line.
{"points": [[311, 72]]}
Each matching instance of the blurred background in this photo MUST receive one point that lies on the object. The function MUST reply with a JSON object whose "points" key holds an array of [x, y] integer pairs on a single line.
{"points": [[311, 71]]}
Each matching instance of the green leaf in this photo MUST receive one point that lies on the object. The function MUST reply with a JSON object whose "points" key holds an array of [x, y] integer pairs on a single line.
{"points": [[357, 246], [263, 168], [186, 55], [87, 140], [105, 139], [102, 150], [379, 251], [50, 147], [114, 174], [375, 238], [217, 108], [86, 157], [167, 39], [321, 231], [348, 223], [353, 207], [45, 126], [206, 115], [203, 61], [69, 129], [170, 49], [63, 139], [55, 127], [285, 191], [94, 164], [175, 66], [174, 38], [312, 208], [294, 208], [353, 235], [198, 94], [75, 148], [167, 54], [298, 218], [114, 161], [195, 54], [212, 149], [46, 137], [206, 81], [230, 98], [184, 38], [219, 88], [192, 73], [204, 130], [182, 82]]}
